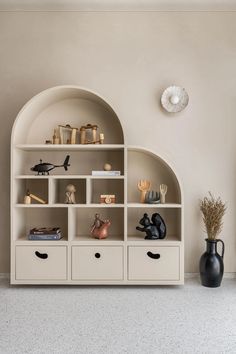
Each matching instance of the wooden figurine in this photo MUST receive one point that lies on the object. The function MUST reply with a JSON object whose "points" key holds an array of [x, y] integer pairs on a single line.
{"points": [[67, 134], [29, 196], [88, 135], [70, 194], [101, 136], [100, 227], [163, 191], [55, 138], [107, 167], [27, 199], [107, 198], [143, 186]]}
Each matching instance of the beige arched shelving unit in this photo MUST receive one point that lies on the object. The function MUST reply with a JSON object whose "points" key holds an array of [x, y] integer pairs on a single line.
{"points": [[72, 260]]}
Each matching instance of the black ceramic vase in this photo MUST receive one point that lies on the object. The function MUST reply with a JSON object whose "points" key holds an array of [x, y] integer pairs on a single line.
{"points": [[212, 265]]}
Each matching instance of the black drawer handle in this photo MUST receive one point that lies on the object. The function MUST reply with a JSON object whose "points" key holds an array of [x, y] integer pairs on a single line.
{"points": [[153, 255], [41, 255], [97, 255]]}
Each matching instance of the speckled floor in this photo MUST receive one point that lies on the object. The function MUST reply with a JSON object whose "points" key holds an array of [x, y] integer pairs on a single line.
{"points": [[171, 320]]}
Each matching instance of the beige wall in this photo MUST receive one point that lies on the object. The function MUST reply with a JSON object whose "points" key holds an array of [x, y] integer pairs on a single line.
{"points": [[129, 58]]}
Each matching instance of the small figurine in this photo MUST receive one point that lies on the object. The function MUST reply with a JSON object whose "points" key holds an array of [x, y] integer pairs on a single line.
{"points": [[101, 138], [88, 135], [55, 138], [107, 167], [29, 196], [44, 168], [152, 197], [107, 198], [100, 227], [163, 191], [154, 230], [67, 134], [27, 199], [70, 194], [143, 186]]}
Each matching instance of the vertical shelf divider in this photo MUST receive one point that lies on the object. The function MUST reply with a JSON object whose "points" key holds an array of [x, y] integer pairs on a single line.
{"points": [[71, 222], [125, 214], [88, 190], [51, 191]]}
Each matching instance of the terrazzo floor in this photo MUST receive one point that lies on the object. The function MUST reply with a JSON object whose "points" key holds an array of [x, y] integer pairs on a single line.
{"points": [[114, 320]]}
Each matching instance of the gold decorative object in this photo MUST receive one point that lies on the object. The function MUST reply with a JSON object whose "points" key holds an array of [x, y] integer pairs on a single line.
{"points": [[67, 134], [88, 135], [55, 138]]}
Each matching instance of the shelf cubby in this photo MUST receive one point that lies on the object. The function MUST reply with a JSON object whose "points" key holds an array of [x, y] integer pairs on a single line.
{"points": [[28, 218], [35, 186], [67, 104], [107, 186], [83, 219], [143, 165], [82, 162], [58, 189], [171, 216]]}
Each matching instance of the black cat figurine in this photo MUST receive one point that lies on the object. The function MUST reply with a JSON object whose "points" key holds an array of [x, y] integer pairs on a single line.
{"points": [[154, 230]]}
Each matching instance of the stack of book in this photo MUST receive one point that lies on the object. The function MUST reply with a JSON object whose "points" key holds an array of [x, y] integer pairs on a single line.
{"points": [[45, 233], [105, 173]]}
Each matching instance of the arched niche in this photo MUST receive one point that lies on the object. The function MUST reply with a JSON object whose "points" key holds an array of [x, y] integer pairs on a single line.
{"points": [[65, 105], [144, 164]]}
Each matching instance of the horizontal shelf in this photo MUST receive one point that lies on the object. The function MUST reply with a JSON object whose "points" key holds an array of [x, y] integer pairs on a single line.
{"points": [[141, 240], [69, 147], [23, 240], [67, 177], [89, 239], [146, 205], [19, 205], [61, 205]]}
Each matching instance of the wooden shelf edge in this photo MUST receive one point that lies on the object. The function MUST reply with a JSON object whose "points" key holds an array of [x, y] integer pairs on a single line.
{"points": [[146, 205], [68, 147]]}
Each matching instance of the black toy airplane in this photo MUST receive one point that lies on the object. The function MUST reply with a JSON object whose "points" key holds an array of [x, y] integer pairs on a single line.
{"points": [[44, 168]]}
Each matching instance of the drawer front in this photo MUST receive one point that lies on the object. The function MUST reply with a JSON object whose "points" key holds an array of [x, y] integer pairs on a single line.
{"points": [[97, 263], [41, 263], [153, 263]]}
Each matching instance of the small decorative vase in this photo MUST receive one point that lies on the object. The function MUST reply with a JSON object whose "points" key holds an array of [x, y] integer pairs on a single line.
{"points": [[212, 265]]}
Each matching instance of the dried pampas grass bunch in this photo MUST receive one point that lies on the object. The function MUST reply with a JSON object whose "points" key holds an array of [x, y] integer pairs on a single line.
{"points": [[213, 210]]}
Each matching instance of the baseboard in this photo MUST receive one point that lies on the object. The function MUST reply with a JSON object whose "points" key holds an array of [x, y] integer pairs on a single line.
{"points": [[4, 275], [228, 275]]}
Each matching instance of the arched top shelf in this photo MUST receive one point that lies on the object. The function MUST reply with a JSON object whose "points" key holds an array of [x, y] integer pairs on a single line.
{"points": [[145, 164], [65, 105]]}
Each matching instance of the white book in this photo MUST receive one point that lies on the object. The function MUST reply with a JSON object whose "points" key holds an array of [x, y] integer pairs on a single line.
{"points": [[105, 173]]}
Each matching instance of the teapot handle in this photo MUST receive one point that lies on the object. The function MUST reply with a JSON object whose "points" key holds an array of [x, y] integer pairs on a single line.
{"points": [[223, 247]]}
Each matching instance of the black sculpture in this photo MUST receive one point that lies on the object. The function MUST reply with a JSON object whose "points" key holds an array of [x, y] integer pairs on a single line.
{"points": [[152, 197], [154, 230], [44, 168]]}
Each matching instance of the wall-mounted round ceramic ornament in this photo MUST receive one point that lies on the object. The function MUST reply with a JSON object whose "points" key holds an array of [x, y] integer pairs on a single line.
{"points": [[174, 99]]}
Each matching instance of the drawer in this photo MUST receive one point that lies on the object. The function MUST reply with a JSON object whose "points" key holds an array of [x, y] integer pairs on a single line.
{"points": [[153, 263], [41, 263], [97, 263]]}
